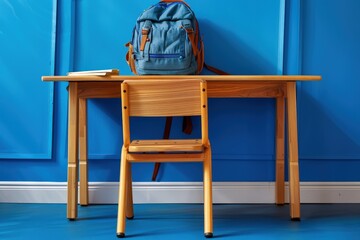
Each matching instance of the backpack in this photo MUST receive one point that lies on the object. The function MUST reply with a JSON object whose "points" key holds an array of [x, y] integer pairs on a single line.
{"points": [[166, 41]]}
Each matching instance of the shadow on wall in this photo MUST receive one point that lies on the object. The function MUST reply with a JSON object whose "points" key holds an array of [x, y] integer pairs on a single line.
{"points": [[104, 121], [321, 136], [225, 50]]}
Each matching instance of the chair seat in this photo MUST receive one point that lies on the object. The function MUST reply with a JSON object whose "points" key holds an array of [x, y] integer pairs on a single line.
{"points": [[173, 145]]}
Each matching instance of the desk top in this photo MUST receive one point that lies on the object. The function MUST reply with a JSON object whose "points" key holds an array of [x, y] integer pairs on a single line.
{"points": [[247, 78]]}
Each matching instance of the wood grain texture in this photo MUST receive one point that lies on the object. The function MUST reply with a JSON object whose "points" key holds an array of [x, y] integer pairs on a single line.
{"points": [[162, 157], [129, 194], [204, 114], [165, 98], [208, 199], [73, 134], [208, 78], [83, 152], [121, 221], [173, 145], [99, 90], [233, 89], [125, 115], [280, 152], [216, 89], [294, 185]]}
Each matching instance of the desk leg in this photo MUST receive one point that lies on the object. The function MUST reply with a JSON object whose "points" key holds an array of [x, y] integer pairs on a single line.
{"points": [[293, 158], [84, 193], [280, 149], [73, 130]]}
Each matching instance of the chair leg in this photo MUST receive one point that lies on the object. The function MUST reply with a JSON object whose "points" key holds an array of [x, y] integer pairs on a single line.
{"points": [[208, 213], [120, 230], [129, 195]]}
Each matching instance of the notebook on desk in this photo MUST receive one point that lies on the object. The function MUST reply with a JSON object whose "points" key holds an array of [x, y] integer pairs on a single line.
{"points": [[104, 72]]}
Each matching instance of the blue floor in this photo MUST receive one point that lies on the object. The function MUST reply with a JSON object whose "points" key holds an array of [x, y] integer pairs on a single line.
{"points": [[181, 221]]}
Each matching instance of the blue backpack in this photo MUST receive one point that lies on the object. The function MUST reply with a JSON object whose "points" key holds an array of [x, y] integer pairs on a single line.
{"points": [[166, 41]]}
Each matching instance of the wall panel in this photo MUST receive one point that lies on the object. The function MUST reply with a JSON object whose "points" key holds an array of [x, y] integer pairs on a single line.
{"points": [[27, 43], [329, 123]]}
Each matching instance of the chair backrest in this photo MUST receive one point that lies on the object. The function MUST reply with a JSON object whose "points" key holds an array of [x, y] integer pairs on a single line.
{"points": [[173, 97]]}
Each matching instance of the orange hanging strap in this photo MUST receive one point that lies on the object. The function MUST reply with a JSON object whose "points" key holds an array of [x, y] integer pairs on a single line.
{"points": [[215, 70], [130, 57], [129, 46], [145, 34], [144, 38]]}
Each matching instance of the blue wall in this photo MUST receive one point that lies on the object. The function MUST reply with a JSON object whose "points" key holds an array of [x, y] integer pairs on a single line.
{"points": [[241, 37], [26, 40]]}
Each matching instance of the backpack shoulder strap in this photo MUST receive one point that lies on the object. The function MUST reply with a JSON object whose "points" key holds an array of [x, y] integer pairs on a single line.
{"points": [[186, 24]]}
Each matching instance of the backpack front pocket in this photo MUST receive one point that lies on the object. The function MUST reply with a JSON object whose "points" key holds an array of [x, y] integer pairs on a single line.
{"points": [[165, 49]]}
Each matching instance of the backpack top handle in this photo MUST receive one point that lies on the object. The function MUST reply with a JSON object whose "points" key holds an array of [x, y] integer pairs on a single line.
{"points": [[170, 1]]}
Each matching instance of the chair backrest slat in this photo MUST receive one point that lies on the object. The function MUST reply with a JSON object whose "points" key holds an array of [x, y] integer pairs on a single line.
{"points": [[155, 98], [165, 98]]}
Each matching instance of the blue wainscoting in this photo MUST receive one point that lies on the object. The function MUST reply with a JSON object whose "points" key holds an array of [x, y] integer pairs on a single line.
{"points": [[330, 149], [27, 51], [240, 36]]}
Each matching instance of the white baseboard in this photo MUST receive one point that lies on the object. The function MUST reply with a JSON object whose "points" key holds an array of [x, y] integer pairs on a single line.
{"points": [[181, 192]]}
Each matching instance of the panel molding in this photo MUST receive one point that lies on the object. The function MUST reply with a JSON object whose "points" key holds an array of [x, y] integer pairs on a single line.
{"points": [[52, 84], [181, 192], [329, 157], [281, 38], [46, 152]]}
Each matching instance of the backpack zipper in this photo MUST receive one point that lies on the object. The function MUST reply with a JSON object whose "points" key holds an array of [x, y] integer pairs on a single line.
{"points": [[165, 55]]}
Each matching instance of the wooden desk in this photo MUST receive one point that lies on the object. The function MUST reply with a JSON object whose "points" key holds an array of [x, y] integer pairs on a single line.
{"points": [[283, 88]]}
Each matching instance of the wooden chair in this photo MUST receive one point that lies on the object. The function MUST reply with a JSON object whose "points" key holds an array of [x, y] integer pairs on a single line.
{"points": [[173, 97]]}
